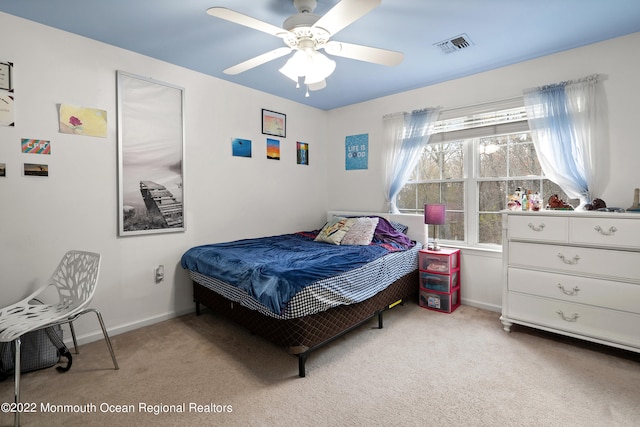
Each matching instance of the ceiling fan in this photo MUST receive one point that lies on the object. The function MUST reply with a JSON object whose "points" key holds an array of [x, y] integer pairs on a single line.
{"points": [[306, 34]]}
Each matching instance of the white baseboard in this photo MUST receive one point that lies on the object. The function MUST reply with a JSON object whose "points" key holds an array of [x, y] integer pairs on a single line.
{"points": [[482, 305], [96, 335]]}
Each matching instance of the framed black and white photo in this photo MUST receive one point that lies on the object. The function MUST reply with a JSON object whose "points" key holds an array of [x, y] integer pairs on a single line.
{"points": [[150, 156]]}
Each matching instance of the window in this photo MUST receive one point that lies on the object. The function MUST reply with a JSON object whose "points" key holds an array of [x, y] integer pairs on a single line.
{"points": [[472, 164]]}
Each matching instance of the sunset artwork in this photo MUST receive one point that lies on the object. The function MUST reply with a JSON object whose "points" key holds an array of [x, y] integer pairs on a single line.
{"points": [[273, 149], [274, 123], [34, 169]]}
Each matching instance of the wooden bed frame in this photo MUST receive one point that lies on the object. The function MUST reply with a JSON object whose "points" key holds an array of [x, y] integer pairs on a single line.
{"points": [[303, 335]]}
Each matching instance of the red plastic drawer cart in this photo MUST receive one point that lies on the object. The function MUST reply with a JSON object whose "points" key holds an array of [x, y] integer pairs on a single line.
{"points": [[439, 279]]}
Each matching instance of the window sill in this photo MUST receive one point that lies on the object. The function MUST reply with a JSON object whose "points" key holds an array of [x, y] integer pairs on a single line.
{"points": [[493, 252]]}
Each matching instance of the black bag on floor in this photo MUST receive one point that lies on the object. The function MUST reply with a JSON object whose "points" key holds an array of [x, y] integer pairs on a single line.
{"points": [[40, 349]]}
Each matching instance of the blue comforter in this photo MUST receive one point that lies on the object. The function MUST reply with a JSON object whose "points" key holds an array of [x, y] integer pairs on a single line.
{"points": [[274, 269]]}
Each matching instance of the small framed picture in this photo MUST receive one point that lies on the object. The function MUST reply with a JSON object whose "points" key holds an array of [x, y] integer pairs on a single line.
{"points": [[302, 153], [34, 169], [5, 75], [274, 123]]}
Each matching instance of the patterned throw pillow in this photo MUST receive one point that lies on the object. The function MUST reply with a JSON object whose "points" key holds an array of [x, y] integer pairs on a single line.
{"points": [[361, 233], [400, 227], [335, 230]]}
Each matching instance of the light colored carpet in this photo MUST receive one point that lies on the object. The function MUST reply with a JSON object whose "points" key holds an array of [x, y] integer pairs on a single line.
{"points": [[423, 368]]}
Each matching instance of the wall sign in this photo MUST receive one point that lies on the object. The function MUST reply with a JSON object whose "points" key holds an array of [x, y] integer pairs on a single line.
{"points": [[357, 151]]}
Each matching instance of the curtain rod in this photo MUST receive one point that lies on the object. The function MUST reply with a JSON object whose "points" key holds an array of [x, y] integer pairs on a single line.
{"points": [[512, 99], [451, 111]]}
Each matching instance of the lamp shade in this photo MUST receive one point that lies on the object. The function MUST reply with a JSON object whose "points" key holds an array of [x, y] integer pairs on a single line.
{"points": [[434, 214], [312, 65]]}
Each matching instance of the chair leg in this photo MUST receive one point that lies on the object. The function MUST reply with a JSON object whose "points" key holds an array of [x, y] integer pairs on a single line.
{"points": [[73, 335], [16, 383], [106, 336]]}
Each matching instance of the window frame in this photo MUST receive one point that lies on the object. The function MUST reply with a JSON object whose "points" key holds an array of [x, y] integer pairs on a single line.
{"points": [[449, 129]]}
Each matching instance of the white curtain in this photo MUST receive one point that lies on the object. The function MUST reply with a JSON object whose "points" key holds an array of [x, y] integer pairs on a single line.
{"points": [[406, 135], [567, 131]]}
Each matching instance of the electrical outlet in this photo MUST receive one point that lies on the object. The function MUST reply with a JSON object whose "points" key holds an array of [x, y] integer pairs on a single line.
{"points": [[159, 273]]}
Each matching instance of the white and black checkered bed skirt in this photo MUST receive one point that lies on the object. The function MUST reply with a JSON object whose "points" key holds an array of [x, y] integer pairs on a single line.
{"points": [[347, 288]]}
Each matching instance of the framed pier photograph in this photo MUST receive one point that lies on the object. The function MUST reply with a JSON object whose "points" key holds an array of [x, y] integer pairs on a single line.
{"points": [[150, 156]]}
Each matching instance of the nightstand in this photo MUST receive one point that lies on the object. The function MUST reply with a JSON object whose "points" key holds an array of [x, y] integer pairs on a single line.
{"points": [[439, 279]]}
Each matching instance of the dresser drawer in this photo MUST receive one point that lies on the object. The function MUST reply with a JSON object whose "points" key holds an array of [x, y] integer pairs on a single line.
{"points": [[599, 323], [605, 231], [583, 290], [607, 264], [538, 228]]}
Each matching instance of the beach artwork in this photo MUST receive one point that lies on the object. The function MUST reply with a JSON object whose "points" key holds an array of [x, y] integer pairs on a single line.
{"points": [[241, 147], [150, 152]]}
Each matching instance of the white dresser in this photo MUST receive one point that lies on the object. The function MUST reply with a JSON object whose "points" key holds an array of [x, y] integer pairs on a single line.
{"points": [[573, 273]]}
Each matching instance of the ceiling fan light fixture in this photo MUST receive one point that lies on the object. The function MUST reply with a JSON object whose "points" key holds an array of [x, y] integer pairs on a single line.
{"points": [[320, 68], [317, 86], [307, 34], [296, 66], [310, 64]]}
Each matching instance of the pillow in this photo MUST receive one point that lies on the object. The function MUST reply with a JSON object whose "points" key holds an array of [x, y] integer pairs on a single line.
{"points": [[361, 233], [335, 230], [400, 227], [387, 234]]}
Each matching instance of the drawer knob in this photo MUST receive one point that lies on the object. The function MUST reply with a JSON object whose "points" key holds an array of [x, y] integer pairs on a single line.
{"points": [[571, 318], [572, 261], [573, 291], [536, 227], [604, 232]]}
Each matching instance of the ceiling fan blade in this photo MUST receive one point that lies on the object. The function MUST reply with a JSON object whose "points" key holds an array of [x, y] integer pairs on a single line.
{"points": [[345, 13], [247, 21], [364, 53], [258, 60]]}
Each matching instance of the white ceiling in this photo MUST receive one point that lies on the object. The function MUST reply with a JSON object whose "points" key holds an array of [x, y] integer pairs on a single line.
{"points": [[503, 32]]}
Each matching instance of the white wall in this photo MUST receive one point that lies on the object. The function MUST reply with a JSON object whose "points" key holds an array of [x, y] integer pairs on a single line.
{"points": [[616, 59], [226, 197], [76, 206]]}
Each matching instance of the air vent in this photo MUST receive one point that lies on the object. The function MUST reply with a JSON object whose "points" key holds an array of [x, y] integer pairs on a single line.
{"points": [[455, 44]]}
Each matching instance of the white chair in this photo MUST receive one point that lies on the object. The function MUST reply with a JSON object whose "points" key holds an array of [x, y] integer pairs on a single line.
{"points": [[75, 281]]}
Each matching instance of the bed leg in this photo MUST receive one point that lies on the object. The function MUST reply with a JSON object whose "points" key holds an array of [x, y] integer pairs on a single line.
{"points": [[380, 320], [302, 359], [198, 313]]}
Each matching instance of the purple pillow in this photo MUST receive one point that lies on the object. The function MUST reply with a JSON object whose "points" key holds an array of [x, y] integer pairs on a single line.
{"points": [[387, 233]]}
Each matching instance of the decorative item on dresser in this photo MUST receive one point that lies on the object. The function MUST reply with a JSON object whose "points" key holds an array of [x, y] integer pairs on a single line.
{"points": [[573, 273]]}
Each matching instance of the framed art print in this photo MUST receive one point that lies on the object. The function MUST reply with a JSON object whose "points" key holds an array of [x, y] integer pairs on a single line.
{"points": [[150, 156], [302, 153], [5, 76], [274, 123]]}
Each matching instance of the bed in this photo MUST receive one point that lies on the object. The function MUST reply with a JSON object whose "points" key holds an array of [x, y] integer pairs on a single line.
{"points": [[324, 284]]}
